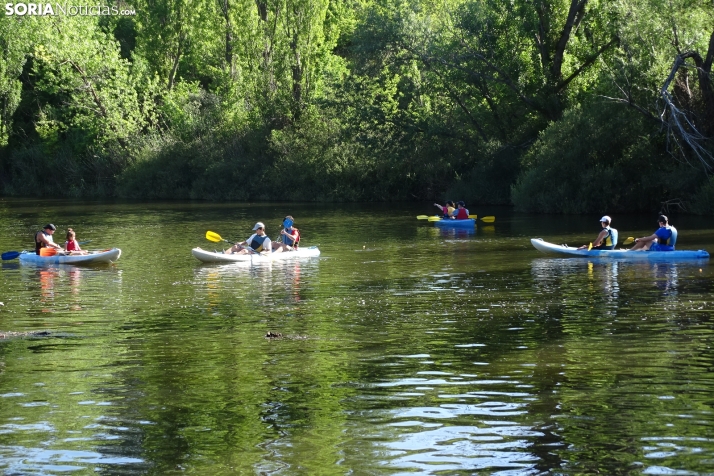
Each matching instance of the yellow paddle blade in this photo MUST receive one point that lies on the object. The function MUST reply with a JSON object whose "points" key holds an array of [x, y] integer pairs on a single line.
{"points": [[434, 219], [590, 246], [473, 216], [213, 236], [490, 219], [629, 240], [422, 217]]}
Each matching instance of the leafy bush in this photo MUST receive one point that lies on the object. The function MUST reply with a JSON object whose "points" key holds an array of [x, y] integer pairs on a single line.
{"points": [[596, 159]]}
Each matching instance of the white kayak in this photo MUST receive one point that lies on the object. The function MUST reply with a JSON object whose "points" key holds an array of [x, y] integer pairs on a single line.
{"points": [[104, 256], [546, 247], [219, 257]]}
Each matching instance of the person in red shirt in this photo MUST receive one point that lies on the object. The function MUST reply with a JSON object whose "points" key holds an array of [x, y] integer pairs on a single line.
{"points": [[71, 245]]}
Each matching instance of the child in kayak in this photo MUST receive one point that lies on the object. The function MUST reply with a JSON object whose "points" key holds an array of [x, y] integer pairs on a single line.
{"points": [[71, 246], [447, 209]]}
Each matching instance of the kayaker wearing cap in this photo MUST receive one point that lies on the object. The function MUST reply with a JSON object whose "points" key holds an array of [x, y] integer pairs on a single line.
{"points": [[663, 239], [43, 238], [607, 239], [461, 213], [290, 236], [257, 243]]}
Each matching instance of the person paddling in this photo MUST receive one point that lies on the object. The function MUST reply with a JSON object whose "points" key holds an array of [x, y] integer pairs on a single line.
{"points": [[290, 236], [258, 242], [461, 213], [607, 239], [663, 239], [43, 239]]}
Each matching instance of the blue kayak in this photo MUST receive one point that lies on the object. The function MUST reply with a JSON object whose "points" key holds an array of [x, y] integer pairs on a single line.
{"points": [[546, 247], [449, 223]]}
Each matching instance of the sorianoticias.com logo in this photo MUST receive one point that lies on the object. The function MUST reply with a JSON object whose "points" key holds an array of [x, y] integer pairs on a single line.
{"points": [[49, 9]]}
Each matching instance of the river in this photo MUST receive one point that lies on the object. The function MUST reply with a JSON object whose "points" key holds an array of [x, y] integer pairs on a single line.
{"points": [[405, 349]]}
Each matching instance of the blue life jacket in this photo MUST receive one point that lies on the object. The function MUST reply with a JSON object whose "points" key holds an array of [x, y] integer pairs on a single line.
{"points": [[666, 244], [257, 242], [288, 239]]}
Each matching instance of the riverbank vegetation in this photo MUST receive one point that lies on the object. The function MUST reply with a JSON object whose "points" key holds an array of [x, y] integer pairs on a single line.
{"points": [[565, 106]]}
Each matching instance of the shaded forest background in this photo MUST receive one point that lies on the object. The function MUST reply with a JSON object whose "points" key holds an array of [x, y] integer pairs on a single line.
{"points": [[559, 106]]}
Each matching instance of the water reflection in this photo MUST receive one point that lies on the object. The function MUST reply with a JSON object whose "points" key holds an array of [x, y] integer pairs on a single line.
{"points": [[280, 280], [605, 274], [65, 286], [456, 232]]}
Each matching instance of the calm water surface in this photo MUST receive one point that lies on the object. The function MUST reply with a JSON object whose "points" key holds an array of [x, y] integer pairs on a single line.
{"points": [[405, 350]]}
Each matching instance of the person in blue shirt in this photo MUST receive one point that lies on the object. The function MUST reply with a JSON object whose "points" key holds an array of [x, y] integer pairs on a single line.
{"points": [[663, 239]]}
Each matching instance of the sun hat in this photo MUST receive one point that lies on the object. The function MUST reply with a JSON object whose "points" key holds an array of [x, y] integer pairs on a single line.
{"points": [[259, 225], [49, 226], [606, 219]]}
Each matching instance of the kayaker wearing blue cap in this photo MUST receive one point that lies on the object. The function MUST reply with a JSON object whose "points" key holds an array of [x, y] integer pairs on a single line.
{"points": [[290, 236], [43, 238], [461, 213], [607, 239], [257, 243], [663, 239]]}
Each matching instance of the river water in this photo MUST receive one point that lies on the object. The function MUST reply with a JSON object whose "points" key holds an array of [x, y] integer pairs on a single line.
{"points": [[405, 349]]}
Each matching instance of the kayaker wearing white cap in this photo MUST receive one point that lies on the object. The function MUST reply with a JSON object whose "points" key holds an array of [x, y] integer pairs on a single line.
{"points": [[607, 239], [257, 243]]}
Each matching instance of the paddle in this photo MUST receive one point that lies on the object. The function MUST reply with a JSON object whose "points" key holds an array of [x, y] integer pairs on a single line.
{"points": [[629, 240], [216, 238], [10, 255], [437, 218]]}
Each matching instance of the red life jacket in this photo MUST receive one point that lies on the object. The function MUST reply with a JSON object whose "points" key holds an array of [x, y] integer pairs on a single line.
{"points": [[462, 214]]}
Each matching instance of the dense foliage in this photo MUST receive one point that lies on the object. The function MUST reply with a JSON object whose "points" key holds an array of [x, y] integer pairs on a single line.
{"points": [[552, 105]]}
